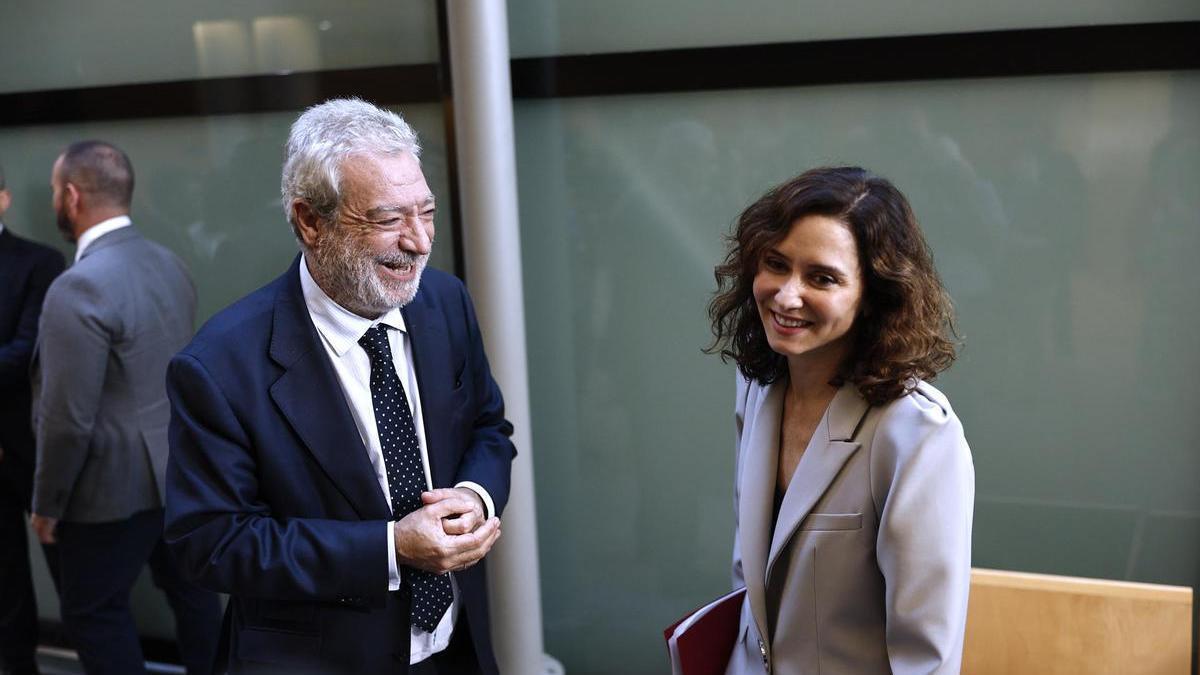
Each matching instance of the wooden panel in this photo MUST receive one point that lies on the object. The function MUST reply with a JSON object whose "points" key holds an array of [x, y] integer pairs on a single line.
{"points": [[1021, 623]]}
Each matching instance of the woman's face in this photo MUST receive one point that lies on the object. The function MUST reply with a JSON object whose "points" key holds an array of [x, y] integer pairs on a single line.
{"points": [[808, 289]]}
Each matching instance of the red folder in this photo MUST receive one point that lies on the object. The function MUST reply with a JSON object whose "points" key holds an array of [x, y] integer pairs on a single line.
{"points": [[700, 643]]}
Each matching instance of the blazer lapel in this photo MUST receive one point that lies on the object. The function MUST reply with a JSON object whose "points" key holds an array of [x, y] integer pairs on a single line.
{"points": [[431, 360], [831, 445], [310, 398], [760, 452]]}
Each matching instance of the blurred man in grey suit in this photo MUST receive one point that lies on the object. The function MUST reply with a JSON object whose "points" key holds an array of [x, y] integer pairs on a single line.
{"points": [[109, 326]]}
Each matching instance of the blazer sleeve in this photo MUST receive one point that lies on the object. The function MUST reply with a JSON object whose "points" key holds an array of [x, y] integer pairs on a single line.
{"points": [[739, 420], [923, 484], [77, 329], [16, 353], [226, 537], [487, 459]]}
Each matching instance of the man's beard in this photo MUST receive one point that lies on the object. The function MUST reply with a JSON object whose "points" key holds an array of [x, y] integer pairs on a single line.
{"points": [[346, 270], [65, 227]]}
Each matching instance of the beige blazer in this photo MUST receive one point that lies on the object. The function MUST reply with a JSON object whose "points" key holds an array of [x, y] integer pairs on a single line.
{"points": [[868, 568]]}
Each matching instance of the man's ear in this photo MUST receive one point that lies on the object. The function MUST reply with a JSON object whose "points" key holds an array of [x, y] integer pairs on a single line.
{"points": [[5, 201], [72, 200], [306, 221]]}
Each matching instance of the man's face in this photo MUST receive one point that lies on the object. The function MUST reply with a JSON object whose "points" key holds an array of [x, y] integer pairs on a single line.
{"points": [[370, 260], [57, 189]]}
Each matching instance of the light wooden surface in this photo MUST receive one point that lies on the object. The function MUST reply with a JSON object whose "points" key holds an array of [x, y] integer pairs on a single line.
{"points": [[1020, 623]]}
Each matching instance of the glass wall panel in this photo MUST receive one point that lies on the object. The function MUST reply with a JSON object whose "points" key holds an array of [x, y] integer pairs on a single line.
{"points": [[551, 27], [1066, 232], [54, 45], [207, 188]]}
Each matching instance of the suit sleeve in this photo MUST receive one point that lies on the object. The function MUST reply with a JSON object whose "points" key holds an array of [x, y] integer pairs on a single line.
{"points": [[487, 460], [739, 417], [225, 536], [16, 353], [77, 329], [923, 485]]}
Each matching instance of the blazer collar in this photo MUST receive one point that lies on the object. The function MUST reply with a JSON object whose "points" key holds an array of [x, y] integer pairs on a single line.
{"points": [[113, 231], [311, 399], [831, 445]]}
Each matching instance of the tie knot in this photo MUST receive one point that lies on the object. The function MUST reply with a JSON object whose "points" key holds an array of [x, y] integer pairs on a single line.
{"points": [[375, 342]]}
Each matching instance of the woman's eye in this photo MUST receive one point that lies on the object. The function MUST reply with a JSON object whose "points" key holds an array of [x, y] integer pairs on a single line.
{"points": [[775, 265], [824, 280]]}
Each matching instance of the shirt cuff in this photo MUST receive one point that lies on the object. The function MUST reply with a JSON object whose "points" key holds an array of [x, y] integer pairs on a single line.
{"points": [[393, 568], [489, 507]]}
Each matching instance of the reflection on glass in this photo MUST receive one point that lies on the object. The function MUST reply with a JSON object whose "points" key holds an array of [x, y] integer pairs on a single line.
{"points": [[286, 43], [222, 47], [154, 41]]}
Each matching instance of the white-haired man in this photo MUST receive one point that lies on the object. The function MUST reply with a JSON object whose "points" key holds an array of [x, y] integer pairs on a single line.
{"points": [[339, 452]]}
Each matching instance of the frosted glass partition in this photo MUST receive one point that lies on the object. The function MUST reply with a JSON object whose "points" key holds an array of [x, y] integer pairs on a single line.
{"points": [[551, 27], [1066, 230], [208, 188], [54, 45]]}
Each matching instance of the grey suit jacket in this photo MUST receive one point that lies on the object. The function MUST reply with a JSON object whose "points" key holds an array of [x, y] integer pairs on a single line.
{"points": [[867, 569], [109, 326]]}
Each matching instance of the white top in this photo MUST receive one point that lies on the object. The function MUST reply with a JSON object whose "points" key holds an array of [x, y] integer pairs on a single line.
{"points": [[99, 230], [340, 330]]}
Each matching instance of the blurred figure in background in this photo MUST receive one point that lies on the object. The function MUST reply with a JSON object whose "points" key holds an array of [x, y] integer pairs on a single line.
{"points": [[26, 270], [854, 485], [109, 326]]}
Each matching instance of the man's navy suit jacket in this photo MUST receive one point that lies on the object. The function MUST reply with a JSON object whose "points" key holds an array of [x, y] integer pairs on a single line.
{"points": [[26, 270], [271, 496]]}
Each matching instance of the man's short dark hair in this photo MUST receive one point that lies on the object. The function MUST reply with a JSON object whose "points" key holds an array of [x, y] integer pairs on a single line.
{"points": [[99, 169]]}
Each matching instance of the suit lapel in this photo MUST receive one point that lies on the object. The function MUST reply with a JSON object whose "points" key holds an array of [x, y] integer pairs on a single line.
{"points": [[431, 360], [7, 241], [760, 451], [827, 452], [310, 398]]}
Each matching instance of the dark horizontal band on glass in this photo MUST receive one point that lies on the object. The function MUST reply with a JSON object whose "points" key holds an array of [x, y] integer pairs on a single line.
{"points": [[221, 96], [1047, 51], [1043, 51]]}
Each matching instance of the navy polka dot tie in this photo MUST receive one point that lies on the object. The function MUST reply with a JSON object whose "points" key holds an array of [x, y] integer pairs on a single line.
{"points": [[431, 593]]}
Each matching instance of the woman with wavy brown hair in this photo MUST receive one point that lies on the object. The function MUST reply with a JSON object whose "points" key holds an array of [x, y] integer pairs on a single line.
{"points": [[854, 486]]}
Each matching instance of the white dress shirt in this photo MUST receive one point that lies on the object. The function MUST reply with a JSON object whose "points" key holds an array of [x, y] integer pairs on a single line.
{"points": [[99, 230], [340, 331]]}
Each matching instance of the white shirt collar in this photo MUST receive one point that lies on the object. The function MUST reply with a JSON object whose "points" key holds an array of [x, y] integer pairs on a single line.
{"points": [[99, 230], [338, 325], [1, 228]]}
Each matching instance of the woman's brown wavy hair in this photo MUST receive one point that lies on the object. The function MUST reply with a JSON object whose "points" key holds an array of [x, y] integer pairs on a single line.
{"points": [[905, 328]]}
